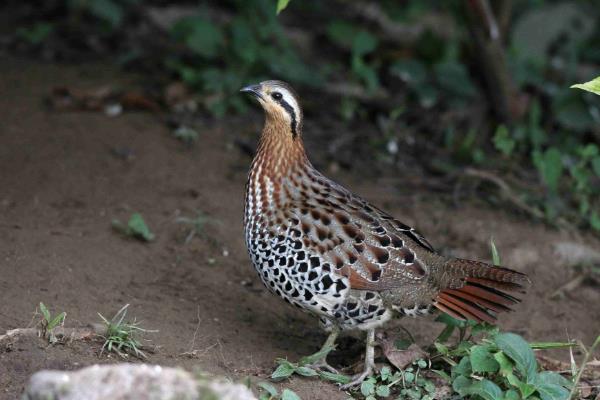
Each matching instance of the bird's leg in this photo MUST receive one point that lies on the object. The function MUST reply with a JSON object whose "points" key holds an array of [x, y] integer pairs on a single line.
{"points": [[321, 362], [369, 362]]}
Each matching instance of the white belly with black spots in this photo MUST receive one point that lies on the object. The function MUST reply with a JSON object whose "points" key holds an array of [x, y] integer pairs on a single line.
{"points": [[305, 280]]}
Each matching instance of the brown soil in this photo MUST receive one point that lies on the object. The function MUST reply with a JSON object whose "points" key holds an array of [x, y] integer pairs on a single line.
{"points": [[61, 185]]}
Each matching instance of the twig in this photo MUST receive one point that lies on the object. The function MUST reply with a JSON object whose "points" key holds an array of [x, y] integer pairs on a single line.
{"points": [[193, 342], [569, 286], [505, 189], [586, 358], [512, 197]]}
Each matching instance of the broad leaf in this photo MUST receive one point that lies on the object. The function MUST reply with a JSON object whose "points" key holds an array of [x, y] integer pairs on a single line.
{"points": [[482, 360], [515, 347], [281, 5], [486, 389], [284, 370], [592, 86], [550, 391], [287, 394], [268, 387]]}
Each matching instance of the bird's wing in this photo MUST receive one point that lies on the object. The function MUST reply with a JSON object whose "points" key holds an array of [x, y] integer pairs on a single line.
{"points": [[360, 241]]}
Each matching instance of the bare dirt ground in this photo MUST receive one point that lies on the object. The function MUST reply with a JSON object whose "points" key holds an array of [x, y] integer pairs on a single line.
{"points": [[61, 185]]}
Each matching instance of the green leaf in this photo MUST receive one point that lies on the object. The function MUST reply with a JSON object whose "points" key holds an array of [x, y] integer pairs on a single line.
{"points": [[595, 220], [57, 320], [454, 78], [268, 388], [287, 394], [596, 165], [284, 370], [526, 389], [138, 228], [550, 391], [549, 377], [367, 387], [319, 355], [363, 43], [463, 367], [550, 166], [108, 11], [486, 389], [461, 383], [441, 348], [512, 394], [385, 373], [448, 320], [503, 141], [515, 347], [591, 86], [281, 5], [506, 366], [45, 312], [495, 254], [410, 71], [337, 378], [551, 345], [382, 391], [482, 360], [306, 371], [37, 33]]}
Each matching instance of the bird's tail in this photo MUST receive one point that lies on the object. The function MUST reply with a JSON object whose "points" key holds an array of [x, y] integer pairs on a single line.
{"points": [[477, 291]]}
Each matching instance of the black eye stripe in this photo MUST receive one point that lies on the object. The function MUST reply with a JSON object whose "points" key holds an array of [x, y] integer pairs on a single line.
{"points": [[290, 110]]}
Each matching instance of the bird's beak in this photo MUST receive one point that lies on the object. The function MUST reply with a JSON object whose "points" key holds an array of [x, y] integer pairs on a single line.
{"points": [[254, 90]]}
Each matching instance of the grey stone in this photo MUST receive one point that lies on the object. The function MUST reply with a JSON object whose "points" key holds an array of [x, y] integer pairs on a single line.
{"points": [[130, 382]]}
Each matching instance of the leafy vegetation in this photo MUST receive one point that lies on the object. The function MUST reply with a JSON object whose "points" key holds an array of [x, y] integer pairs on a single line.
{"points": [[123, 337], [50, 322], [422, 58]]}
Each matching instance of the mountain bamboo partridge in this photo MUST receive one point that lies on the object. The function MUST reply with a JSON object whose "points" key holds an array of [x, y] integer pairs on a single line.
{"points": [[328, 251]]}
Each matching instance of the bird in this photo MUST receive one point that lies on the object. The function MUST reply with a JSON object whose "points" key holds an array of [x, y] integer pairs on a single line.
{"points": [[329, 252]]}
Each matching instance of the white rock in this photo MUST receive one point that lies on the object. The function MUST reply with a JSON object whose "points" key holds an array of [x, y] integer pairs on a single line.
{"points": [[130, 382]]}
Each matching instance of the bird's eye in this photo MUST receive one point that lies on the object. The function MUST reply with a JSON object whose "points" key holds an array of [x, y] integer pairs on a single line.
{"points": [[276, 96]]}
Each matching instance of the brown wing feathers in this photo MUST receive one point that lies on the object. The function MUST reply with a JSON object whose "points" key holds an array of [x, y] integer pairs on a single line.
{"points": [[483, 291]]}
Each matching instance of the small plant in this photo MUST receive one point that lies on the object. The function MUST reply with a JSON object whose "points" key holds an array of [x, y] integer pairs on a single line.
{"points": [[302, 367], [271, 393], [121, 336], [136, 227], [408, 383], [49, 322], [196, 224], [186, 135], [500, 366]]}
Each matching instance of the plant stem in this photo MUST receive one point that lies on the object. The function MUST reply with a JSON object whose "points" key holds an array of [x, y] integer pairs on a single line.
{"points": [[586, 358]]}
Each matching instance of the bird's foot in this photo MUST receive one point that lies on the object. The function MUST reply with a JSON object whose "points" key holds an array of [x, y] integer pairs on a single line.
{"points": [[358, 379], [322, 365]]}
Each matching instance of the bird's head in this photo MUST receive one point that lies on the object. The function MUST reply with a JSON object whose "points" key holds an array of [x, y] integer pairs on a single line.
{"points": [[280, 103]]}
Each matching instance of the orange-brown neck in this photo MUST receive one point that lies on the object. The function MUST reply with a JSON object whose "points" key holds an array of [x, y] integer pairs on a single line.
{"points": [[279, 150]]}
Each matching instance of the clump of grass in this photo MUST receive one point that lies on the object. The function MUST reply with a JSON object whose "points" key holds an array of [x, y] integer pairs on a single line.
{"points": [[123, 337], [50, 322], [196, 224]]}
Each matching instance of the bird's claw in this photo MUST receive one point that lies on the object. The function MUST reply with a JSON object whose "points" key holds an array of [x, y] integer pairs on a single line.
{"points": [[357, 379], [322, 365]]}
